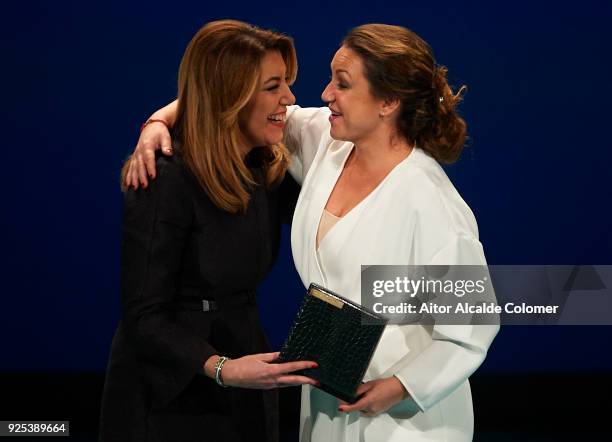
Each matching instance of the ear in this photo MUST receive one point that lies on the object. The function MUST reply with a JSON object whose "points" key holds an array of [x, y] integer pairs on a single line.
{"points": [[389, 105]]}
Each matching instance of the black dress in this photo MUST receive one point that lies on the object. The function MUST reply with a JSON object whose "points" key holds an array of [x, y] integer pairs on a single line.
{"points": [[179, 248]]}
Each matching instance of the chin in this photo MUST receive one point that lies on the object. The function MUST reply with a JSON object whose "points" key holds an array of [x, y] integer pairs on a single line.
{"points": [[337, 135], [271, 141], [276, 139]]}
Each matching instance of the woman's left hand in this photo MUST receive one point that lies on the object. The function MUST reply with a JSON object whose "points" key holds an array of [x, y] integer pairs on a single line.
{"points": [[377, 396]]}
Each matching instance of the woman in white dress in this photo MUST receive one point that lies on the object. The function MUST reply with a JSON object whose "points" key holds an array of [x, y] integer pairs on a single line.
{"points": [[373, 192]]}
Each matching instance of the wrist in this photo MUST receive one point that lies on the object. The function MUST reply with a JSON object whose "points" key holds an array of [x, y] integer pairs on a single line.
{"points": [[404, 392], [154, 120], [209, 366], [218, 370], [166, 113]]}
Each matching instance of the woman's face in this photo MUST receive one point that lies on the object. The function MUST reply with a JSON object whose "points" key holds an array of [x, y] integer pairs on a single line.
{"points": [[355, 111], [264, 117]]}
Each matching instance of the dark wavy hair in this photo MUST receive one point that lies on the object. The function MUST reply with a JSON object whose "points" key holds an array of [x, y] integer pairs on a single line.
{"points": [[217, 78], [400, 65]]}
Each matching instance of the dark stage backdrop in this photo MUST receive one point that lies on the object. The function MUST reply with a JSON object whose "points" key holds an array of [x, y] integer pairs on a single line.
{"points": [[78, 78]]}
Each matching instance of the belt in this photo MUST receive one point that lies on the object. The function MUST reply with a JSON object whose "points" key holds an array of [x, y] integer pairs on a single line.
{"points": [[210, 305]]}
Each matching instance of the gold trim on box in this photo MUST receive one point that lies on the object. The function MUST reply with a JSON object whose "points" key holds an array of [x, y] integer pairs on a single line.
{"points": [[326, 298]]}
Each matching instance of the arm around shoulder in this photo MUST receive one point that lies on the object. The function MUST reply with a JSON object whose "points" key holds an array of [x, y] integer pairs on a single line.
{"points": [[305, 132]]}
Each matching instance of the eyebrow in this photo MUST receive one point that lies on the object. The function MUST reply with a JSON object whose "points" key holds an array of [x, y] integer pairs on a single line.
{"points": [[340, 71], [272, 79]]}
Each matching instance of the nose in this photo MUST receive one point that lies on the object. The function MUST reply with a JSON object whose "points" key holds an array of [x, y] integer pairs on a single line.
{"points": [[287, 98], [327, 94]]}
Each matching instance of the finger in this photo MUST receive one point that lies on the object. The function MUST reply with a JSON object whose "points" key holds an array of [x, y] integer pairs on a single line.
{"points": [[135, 182], [268, 357], [127, 178], [133, 174], [166, 144], [142, 173], [292, 380], [363, 388], [289, 367], [134, 166], [149, 162], [361, 404]]}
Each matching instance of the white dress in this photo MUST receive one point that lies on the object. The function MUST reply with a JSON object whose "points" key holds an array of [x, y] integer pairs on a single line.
{"points": [[414, 216]]}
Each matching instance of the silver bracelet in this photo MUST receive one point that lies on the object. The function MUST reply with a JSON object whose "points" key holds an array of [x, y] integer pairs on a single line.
{"points": [[218, 366]]}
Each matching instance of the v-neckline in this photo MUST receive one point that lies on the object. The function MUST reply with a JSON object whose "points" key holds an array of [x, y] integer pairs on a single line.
{"points": [[357, 206]]}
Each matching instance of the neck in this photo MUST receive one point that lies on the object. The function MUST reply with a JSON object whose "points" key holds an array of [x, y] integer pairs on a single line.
{"points": [[379, 153], [245, 148], [245, 151]]}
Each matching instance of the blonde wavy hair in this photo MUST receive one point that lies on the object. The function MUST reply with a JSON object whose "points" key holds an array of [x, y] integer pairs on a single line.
{"points": [[218, 76]]}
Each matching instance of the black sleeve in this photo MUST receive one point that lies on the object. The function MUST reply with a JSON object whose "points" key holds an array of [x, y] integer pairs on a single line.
{"points": [[156, 227], [289, 191]]}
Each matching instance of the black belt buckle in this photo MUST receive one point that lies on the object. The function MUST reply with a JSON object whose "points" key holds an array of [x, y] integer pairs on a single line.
{"points": [[208, 306]]}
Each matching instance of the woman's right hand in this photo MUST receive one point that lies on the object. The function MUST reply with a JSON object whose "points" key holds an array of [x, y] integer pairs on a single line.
{"points": [[259, 371], [154, 136]]}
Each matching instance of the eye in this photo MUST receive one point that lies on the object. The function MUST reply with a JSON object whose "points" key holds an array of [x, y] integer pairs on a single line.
{"points": [[339, 84], [273, 87]]}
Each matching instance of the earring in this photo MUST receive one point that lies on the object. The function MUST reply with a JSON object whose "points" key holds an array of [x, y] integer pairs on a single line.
{"points": [[381, 115]]}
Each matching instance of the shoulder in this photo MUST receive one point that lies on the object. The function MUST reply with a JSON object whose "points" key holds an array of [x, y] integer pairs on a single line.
{"points": [[171, 168], [421, 166], [168, 195], [173, 175], [421, 181], [430, 195]]}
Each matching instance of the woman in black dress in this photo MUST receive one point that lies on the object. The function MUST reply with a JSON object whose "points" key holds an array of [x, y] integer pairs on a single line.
{"points": [[196, 243]]}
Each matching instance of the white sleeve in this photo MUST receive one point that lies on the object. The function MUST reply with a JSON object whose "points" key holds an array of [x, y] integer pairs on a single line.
{"points": [[456, 350], [305, 131]]}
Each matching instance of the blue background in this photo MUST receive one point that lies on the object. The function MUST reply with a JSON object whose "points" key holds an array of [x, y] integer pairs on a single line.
{"points": [[79, 78]]}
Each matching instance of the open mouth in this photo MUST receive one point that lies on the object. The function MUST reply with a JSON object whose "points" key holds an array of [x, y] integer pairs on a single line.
{"points": [[278, 119], [334, 115]]}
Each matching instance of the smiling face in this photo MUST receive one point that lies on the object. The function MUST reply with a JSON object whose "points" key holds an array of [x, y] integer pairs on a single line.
{"points": [[355, 111], [264, 117]]}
